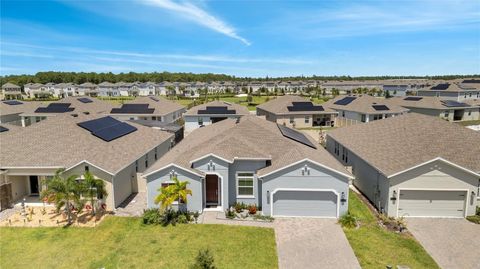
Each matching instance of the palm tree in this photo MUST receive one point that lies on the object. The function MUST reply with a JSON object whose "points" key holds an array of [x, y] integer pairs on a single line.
{"points": [[63, 192], [175, 192], [93, 187]]}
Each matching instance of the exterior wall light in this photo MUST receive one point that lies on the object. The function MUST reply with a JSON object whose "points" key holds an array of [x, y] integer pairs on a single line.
{"points": [[211, 166], [342, 198], [394, 196], [305, 170]]}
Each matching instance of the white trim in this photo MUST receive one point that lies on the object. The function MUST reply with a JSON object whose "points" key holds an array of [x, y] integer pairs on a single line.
{"points": [[89, 163], [234, 158], [210, 155], [171, 165], [253, 186], [303, 189], [433, 160], [298, 162], [433, 189], [221, 194]]}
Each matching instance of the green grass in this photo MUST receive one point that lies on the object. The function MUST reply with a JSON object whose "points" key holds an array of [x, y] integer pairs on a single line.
{"points": [[376, 247], [126, 243], [470, 122]]}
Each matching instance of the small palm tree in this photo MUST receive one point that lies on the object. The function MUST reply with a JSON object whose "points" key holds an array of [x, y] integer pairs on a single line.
{"points": [[93, 187], [175, 192], [63, 192]]}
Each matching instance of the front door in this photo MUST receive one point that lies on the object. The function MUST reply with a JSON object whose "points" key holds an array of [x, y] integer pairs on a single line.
{"points": [[211, 183], [33, 184]]}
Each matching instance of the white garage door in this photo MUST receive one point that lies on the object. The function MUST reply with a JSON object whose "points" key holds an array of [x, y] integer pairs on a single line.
{"points": [[423, 203], [305, 203]]}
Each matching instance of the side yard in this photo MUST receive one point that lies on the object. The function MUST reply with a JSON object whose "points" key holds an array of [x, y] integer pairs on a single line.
{"points": [[376, 247], [127, 243]]}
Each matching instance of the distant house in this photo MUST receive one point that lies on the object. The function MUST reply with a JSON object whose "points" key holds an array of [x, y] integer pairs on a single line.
{"points": [[62, 90], [254, 161], [206, 114], [451, 91], [36, 90], [149, 108], [147, 88], [108, 89], [11, 91], [364, 108], [412, 165], [443, 108], [62, 143], [296, 112], [87, 89]]}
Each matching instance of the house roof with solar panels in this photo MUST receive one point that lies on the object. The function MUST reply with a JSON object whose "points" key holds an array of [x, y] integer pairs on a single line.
{"points": [[69, 105], [233, 139], [65, 141], [149, 106], [450, 87], [294, 104], [430, 102], [218, 108], [9, 107], [365, 104]]}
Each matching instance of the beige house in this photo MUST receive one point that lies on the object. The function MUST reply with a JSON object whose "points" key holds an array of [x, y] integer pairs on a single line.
{"points": [[149, 108], [297, 112], [11, 91], [412, 165], [29, 155], [212, 112], [455, 91]]}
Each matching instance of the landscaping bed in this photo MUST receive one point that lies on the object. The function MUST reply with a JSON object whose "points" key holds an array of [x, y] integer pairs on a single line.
{"points": [[377, 245], [241, 211], [120, 242]]}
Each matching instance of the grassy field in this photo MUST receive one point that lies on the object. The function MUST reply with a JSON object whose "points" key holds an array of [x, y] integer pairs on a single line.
{"points": [[376, 247], [126, 243], [470, 122]]}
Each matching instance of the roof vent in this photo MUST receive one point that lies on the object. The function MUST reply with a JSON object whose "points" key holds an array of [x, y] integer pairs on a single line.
{"points": [[74, 115], [86, 113]]}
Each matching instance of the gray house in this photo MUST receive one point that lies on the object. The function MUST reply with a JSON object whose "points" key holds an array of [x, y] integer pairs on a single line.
{"points": [[412, 165], [254, 161]]}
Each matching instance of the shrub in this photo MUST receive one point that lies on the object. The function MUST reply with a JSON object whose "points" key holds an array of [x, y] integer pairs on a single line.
{"points": [[151, 216], [230, 213], [262, 217], [348, 221], [182, 218], [204, 260], [474, 219], [239, 207], [196, 214], [478, 211], [168, 217], [252, 209]]}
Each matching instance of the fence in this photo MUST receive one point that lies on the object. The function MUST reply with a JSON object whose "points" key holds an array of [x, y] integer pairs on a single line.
{"points": [[342, 122]]}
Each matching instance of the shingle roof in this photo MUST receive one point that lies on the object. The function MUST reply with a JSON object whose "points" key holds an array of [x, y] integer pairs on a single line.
{"points": [[9, 85], [280, 106], [395, 144], [17, 109], [162, 107], [95, 107], [239, 109], [430, 102], [59, 142], [364, 104], [251, 137], [452, 87]]}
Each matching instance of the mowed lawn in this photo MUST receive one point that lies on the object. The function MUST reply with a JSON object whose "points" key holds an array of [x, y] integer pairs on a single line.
{"points": [[126, 243], [376, 247]]}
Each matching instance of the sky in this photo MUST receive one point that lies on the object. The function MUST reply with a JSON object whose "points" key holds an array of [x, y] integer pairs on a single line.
{"points": [[241, 37]]}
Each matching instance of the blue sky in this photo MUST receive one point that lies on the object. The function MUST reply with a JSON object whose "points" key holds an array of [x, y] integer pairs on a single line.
{"points": [[242, 38]]}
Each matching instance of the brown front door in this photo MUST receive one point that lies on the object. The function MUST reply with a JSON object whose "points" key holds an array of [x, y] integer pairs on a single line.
{"points": [[211, 182]]}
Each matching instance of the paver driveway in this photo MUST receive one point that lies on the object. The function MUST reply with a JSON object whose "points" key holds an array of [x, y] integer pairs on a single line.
{"points": [[452, 243], [312, 243]]}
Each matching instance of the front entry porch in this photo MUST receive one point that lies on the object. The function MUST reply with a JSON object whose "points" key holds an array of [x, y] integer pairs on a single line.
{"points": [[212, 193]]}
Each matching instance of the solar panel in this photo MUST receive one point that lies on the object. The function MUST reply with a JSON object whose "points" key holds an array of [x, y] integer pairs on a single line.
{"points": [[345, 101], [3, 129], [295, 135], [413, 98], [85, 100], [55, 108], [380, 107], [471, 81], [304, 106], [154, 98], [216, 110], [451, 103], [12, 102], [107, 128], [133, 109], [441, 86]]}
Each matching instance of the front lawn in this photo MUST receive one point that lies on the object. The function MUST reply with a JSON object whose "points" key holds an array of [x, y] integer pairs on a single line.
{"points": [[126, 243], [375, 247]]}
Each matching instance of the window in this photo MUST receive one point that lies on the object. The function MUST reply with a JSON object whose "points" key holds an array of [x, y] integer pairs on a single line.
{"points": [[469, 113], [146, 160], [200, 121], [136, 166], [364, 117], [343, 114], [156, 154], [292, 120], [307, 119], [245, 185], [446, 114], [87, 168], [337, 148], [345, 154], [377, 117]]}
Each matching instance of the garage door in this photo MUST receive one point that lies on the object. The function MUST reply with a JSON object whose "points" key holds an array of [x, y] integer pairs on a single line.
{"points": [[422, 203], [305, 203]]}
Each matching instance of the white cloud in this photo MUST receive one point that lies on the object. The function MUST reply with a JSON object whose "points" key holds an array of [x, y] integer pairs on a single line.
{"points": [[194, 13]]}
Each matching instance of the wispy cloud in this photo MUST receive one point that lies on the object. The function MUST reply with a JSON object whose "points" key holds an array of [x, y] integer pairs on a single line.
{"points": [[198, 15]]}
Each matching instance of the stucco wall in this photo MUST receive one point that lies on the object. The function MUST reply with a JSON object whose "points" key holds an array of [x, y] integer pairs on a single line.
{"points": [[191, 122], [245, 166], [219, 168], [19, 187]]}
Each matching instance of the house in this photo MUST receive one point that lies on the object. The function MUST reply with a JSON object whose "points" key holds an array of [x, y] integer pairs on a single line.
{"points": [[297, 112], [206, 114], [436, 106], [412, 165], [451, 91], [114, 151], [36, 90], [364, 108], [73, 106], [11, 91], [62, 90], [254, 161], [10, 110], [146, 89], [108, 89], [87, 89], [149, 108]]}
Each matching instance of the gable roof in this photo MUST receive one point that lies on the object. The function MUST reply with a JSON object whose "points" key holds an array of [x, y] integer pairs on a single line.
{"points": [[364, 104], [59, 142], [280, 104], [250, 138], [395, 144], [97, 106], [239, 109], [9, 85], [162, 106], [430, 102]]}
